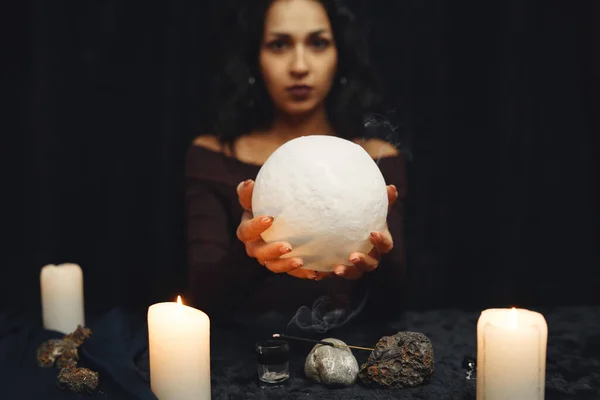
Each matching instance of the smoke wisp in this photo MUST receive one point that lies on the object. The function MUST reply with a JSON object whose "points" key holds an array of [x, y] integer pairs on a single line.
{"points": [[326, 313]]}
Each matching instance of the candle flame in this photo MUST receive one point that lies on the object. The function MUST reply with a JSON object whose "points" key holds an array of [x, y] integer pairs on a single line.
{"points": [[179, 300], [513, 319]]}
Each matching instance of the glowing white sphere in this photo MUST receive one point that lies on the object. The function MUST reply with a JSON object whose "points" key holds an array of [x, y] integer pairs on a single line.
{"points": [[327, 195]]}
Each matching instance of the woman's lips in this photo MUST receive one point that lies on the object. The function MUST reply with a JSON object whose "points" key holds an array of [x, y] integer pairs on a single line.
{"points": [[300, 91]]}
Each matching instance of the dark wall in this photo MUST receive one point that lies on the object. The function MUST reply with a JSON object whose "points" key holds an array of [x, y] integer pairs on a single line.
{"points": [[499, 100]]}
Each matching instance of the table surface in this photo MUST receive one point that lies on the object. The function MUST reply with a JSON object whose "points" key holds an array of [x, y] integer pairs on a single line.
{"points": [[118, 350]]}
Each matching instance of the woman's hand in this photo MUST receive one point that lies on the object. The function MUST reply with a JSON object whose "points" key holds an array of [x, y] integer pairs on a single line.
{"points": [[382, 242], [267, 254]]}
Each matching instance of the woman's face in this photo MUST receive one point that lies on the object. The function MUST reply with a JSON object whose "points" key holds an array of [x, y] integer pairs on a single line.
{"points": [[298, 56]]}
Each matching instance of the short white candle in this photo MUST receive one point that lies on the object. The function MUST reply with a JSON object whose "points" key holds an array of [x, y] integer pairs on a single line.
{"points": [[511, 355], [62, 297], [179, 347]]}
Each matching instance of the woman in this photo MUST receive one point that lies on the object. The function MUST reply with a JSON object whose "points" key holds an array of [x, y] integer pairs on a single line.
{"points": [[298, 67]]}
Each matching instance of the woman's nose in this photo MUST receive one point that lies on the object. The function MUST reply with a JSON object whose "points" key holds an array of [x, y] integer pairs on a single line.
{"points": [[299, 64]]}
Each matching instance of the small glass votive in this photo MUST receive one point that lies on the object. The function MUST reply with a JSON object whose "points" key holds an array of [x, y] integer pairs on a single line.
{"points": [[272, 361]]}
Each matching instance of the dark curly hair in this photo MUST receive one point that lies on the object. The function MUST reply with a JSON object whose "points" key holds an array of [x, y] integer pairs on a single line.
{"points": [[240, 107]]}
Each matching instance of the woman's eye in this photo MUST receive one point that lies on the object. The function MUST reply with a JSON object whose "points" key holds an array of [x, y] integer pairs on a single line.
{"points": [[320, 43], [277, 45]]}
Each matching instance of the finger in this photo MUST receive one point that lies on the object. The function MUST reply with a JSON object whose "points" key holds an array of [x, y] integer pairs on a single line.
{"points": [[382, 242], [303, 274], [251, 229], [246, 216], [392, 193], [282, 265], [363, 262], [348, 272], [244, 191], [323, 275], [267, 251]]}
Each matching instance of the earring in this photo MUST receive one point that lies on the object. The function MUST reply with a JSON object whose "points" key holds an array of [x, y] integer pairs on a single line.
{"points": [[251, 80], [343, 80]]}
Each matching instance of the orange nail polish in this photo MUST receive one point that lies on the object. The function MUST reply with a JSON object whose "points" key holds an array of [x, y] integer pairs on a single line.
{"points": [[285, 249], [267, 220]]}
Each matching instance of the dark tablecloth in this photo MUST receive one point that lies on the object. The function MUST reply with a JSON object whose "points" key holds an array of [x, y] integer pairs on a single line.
{"points": [[117, 349]]}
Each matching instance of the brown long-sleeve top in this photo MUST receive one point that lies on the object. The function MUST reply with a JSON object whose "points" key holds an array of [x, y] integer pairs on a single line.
{"points": [[223, 280]]}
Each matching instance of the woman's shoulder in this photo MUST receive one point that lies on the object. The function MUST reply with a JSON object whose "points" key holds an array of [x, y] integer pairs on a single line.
{"points": [[204, 151], [210, 143], [387, 128], [210, 159], [378, 148]]}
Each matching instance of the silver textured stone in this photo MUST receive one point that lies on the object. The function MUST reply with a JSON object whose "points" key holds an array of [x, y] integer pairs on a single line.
{"points": [[331, 366]]}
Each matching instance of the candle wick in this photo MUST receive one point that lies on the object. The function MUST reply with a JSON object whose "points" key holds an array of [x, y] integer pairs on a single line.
{"points": [[514, 318]]}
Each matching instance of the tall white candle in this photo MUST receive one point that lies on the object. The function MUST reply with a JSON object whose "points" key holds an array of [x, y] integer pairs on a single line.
{"points": [[511, 355], [179, 347], [62, 297]]}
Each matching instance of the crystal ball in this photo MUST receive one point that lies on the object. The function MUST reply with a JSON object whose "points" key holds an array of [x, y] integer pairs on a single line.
{"points": [[326, 194]]}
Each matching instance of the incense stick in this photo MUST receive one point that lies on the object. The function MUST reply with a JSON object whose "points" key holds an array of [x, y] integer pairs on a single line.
{"points": [[279, 335]]}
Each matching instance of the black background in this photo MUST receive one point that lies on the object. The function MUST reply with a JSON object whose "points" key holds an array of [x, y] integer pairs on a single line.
{"points": [[500, 100]]}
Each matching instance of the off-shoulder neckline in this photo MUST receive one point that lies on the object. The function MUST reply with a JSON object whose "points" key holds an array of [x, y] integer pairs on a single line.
{"points": [[221, 155]]}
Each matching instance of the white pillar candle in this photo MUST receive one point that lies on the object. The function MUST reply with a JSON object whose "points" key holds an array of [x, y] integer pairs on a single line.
{"points": [[511, 355], [62, 297], [179, 348]]}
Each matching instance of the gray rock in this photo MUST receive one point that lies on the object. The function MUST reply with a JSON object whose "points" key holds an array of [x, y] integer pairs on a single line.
{"points": [[331, 366]]}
